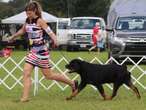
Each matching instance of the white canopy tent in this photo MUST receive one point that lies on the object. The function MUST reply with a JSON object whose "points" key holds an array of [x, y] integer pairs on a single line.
{"points": [[21, 17]]}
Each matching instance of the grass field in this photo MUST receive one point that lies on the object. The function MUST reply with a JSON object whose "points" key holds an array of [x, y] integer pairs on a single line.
{"points": [[54, 99]]}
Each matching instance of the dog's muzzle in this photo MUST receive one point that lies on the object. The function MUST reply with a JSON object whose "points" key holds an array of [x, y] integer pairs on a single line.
{"points": [[71, 70]]}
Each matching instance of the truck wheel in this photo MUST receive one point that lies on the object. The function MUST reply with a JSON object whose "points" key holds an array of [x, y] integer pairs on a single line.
{"points": [[70, 48]]}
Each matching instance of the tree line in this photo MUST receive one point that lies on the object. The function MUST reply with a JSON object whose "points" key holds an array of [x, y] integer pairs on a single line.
{"points": [[59, 8]]}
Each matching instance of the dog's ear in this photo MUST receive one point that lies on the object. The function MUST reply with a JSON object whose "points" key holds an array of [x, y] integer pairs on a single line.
{"points": [[75, 65], [77, 61]]}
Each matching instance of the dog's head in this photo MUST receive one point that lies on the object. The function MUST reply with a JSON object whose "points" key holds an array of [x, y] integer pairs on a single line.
{"points": [[74, 66]]}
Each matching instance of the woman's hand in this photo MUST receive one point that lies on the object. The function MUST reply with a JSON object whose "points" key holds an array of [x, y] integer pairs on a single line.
{"points": [[17, 34], [10, 39]]}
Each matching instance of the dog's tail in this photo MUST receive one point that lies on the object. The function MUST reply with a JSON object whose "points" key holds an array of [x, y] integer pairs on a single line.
{"points": [[124, 66], [126, 70], [128, 74]]}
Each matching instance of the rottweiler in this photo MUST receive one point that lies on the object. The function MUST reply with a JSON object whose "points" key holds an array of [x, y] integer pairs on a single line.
{"points": [[97, 75]]}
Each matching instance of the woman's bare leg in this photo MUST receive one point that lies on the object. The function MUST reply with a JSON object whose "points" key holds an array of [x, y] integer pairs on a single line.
{"points": [[98, 51], [26, 81], [49, 74], [93, 47]]}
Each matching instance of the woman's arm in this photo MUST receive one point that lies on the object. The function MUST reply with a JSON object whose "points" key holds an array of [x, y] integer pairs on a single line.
{"points": [[18, 33], [44, 25]]}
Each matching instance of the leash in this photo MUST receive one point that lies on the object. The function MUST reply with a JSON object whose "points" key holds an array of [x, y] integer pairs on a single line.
{"points": [[51, 46], [62, 54]]}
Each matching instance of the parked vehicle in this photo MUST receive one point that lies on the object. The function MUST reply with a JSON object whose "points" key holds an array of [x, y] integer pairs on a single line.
{"points": [[127, 22], [62, 31], [81, 30]]}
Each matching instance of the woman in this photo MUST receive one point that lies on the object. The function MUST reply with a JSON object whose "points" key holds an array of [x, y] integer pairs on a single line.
{"points": [[39, 53]]}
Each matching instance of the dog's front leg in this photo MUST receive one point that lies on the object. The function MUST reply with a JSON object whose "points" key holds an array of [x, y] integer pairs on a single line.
{"points": [[80, 87], [72, 95], [101, 90]]}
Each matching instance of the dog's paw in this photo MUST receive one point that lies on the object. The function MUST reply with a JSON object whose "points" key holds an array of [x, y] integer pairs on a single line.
{"points": [[68, 98], [108, 98], [139, 97]]}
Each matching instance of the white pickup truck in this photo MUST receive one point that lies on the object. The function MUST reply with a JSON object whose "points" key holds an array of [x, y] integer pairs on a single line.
{"points": [[81, 30]]}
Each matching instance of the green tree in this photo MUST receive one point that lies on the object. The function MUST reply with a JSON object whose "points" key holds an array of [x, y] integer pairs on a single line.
{"points": [[60, 8], [65, 8], [91, 7], [55, 7], [5, 10], [18, 5]]}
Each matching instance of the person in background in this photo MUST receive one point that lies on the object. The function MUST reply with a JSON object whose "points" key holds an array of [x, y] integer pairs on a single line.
{"points": [[95, 37], [38, 54]]}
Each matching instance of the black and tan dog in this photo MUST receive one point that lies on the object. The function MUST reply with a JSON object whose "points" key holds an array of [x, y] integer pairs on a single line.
{"points": [[97, 75]]}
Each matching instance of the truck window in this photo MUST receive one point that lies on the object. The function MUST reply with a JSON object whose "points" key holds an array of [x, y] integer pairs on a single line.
{"points": [[83, 23], [131, 23]]}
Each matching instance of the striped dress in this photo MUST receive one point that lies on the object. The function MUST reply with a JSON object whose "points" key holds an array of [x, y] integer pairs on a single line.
{"points": [[39, 52]]}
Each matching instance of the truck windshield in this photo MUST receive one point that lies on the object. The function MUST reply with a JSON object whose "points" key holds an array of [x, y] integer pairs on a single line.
{"points": [[83, 23], [131, 23]]}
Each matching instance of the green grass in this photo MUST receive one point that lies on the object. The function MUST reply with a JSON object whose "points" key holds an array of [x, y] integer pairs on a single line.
{"points": [[88, 99], [54, 99]]}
